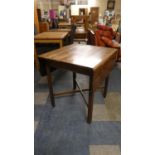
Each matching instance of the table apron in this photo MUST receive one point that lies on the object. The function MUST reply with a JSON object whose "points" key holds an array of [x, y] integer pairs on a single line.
{"points": [[103, 71], [70, 67], [48, 41]]}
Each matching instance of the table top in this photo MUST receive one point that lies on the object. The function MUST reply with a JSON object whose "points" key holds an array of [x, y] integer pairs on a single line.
{"points": [[75, 56], [60, 30], [51, 35], [64, 24], [80, 30]]}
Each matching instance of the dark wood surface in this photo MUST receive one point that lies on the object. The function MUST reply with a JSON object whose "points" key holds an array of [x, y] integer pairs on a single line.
{"points": [[60, 30], [80, 20], [84, 59], [64, 24], [96, 62], [49, 78]]}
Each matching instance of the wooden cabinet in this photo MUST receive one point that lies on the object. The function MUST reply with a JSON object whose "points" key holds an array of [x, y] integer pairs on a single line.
{"points": [[83, 11], [39, 15], [36, 22], [94, 13], [81, 21]]}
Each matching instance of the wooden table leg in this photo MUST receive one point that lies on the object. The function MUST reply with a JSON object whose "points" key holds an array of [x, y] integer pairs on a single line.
{"points": [[50, 85], [74, 80], [106, 86], [90, 100], [61, 43], [36, 61]]}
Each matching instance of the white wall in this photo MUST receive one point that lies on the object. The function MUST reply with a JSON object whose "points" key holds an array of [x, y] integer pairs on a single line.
{"points": [[102, 4], [118, 6]]}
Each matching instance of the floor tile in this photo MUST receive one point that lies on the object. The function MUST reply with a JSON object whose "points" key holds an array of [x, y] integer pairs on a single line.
{"points": [[110, 111], [104, 150], [43, 80], [105, 133], [35, 125], [40, 98], [118, 65]]}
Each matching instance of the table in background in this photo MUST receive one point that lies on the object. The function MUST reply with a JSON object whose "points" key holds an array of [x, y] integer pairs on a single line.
{"points": [[60, 30], [49, 37], [64, 25]]}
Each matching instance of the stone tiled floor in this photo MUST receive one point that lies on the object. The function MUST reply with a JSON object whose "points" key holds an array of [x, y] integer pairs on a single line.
{"points": [[35, 125], [110, 111], [63, 130], [40, 98], [104, 150]]}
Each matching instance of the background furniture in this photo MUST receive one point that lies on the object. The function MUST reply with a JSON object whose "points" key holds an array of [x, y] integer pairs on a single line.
{"points": [[47, 41], [94, 13], [81, 23], [36, 21], [36, 29], [50, 37], [71, 33], [80, 35], [39, 15], [64, 25], [93, 37], [83, 11], [60, 30], [44, 26]]}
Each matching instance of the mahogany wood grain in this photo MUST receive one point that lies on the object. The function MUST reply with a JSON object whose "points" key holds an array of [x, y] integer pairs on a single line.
{"points": [[36, 61], [106, 86], [84, 59], [49, 78], [90, 99], [70, 92], [96, 62]]}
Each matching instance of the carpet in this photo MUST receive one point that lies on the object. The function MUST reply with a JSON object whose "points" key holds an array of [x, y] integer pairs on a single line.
{"points": [[63, 130]]}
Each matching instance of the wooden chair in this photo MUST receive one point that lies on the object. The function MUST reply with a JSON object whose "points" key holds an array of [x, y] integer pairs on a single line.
{"points": [[44, 26], [91, 37]]}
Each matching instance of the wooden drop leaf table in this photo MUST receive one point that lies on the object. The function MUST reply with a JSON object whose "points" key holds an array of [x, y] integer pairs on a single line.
{"points": [[95, 62]]}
